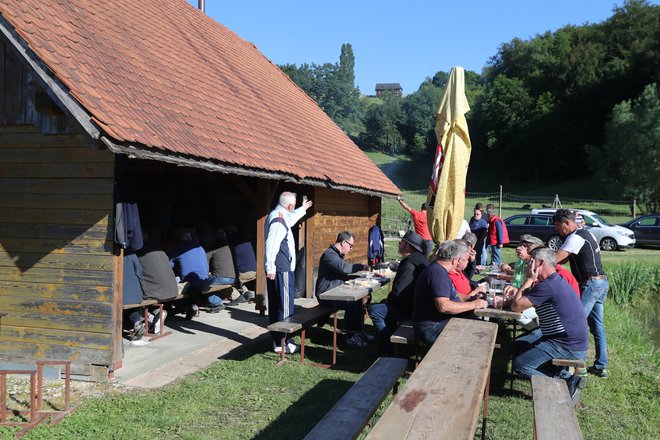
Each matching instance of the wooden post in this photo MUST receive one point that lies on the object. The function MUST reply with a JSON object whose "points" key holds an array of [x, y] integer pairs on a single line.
{"points": [[634, 208], [500, 205], [117, 305], [264, 195]]}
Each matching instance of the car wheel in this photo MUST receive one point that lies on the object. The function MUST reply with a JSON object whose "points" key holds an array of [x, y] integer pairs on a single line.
{"points": [[555, 242], [608, 244]]}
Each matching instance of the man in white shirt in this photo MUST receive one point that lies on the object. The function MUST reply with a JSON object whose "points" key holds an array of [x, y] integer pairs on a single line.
{"points": [[281, 262]]}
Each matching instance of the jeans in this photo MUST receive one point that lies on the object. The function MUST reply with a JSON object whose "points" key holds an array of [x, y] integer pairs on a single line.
{"points": [[386, 319], [534, 355], [428, 331], [482, 254], [593, 297], [496, 255]]}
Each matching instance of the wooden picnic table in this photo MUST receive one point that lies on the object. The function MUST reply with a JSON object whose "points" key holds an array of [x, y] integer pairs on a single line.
{"points": [[349, 293], [442, 398]]}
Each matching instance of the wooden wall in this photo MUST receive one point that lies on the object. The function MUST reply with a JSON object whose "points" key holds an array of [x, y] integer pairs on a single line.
{"points": [[336, 211], [56, 261]]}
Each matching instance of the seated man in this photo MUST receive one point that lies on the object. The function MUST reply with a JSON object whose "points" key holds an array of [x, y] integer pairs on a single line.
{"points": [[435, 300], [564, 333], [333, 271], [388, 314], [132, 294], [221, 262], [189, 259], [461, 282], [245, 260]]}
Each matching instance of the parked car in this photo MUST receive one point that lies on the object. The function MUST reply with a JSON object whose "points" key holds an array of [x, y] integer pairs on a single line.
{"points": [[646, 228], [609, 237], [538, 225]]}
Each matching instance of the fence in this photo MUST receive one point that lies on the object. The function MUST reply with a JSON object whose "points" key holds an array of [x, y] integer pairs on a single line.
{"points": [[395, 218]]}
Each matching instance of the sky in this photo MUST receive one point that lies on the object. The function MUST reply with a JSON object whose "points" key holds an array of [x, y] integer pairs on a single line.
{"points": [[401, 42]]}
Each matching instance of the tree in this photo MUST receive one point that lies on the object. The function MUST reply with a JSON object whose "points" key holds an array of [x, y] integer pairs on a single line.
{"points": [[629, 161]]}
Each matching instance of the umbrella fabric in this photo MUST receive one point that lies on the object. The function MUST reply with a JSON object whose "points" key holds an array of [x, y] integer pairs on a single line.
{"points": [[445, 201]]}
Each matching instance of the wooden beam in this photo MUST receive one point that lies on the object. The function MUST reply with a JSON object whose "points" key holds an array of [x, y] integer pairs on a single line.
{"points": [[264, 191], [117, 303]]}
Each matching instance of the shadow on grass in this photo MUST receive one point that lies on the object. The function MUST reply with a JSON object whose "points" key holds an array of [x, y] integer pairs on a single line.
{"points": [[305, 413]]}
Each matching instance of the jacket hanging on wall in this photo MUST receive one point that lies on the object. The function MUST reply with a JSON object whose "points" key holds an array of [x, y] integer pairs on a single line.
{"points": [[128, 231], [376, 251]]}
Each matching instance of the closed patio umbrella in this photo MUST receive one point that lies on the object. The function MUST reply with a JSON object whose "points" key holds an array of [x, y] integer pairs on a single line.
{"points": [[445, 201]]}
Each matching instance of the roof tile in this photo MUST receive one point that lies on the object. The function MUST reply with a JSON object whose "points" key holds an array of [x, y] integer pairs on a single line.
{"points": [[181, 82]]}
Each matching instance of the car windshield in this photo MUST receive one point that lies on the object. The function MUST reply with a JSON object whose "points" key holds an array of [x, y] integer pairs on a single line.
{"points": [[601, 220]]}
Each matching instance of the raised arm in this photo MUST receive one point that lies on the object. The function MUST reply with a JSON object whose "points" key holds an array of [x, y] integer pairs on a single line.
{"points": [[404, 204]]}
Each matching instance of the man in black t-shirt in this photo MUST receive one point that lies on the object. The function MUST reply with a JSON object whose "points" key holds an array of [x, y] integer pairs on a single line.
{"points": [[581, 250]]}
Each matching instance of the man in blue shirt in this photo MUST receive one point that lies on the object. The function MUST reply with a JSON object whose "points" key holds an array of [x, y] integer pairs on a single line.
{"points": [[563, 324], [435, 300]]}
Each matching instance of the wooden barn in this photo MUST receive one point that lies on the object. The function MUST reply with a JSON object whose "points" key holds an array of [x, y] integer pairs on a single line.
{"points": [[211, 130]]}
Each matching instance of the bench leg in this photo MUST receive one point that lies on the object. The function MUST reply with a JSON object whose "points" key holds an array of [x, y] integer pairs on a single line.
{"points": [[302, 345], [513, 354], [282, 353], [485, 417]]}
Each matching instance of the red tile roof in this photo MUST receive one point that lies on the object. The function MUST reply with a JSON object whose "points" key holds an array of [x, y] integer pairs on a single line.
{"points": [[161, 75]]}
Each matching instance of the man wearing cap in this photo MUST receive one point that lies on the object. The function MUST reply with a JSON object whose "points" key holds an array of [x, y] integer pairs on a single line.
{"points": [[388, 314], [581, 249]]}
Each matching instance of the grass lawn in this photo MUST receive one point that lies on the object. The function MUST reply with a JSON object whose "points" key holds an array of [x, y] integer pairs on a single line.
{"points": [[246, 396]]}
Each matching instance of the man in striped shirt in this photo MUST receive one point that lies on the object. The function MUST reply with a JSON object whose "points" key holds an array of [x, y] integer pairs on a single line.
{"points": [[564, 333]]}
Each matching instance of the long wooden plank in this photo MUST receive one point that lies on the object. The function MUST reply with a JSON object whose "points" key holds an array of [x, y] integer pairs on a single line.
{"points": [[55, 231], [57, 186], [55, 291], [15, 129], [27, 352], [77, 322], [57, 170], [353, 411], [442, 398], [297, 320], [56, 201], [56, 246], [56, 307], [87, 217], [74, 339], [554, 412], [64, 261], [37, 140], [61, 276], [47, 154]]}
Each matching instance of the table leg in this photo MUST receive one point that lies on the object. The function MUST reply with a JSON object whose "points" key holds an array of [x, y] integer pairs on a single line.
{"points": [[302, 346], [485, 415], [334, 338], [513, 354]]}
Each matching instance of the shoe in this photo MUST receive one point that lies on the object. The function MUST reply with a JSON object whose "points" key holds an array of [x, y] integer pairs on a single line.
{"points": [[582, 372], [575, 384], [248, 295], [356, 341], [193, 312], [216, 308], [138, 331], [289, 348], [600, 372], [156, 329], [240, 300], [368, 338]]}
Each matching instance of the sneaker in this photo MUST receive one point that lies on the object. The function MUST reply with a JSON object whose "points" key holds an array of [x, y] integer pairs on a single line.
{"points": [[289, 348], [240, 300], [600, 372], [575, 384], [138, 331], [216, 308], [157, 321], [356, 341], [248, 295]]}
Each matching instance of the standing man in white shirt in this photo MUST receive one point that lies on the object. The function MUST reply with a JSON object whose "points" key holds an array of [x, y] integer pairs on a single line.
{"points": [[281, 262]]}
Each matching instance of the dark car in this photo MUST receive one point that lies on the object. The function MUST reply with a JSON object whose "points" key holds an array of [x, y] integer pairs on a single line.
{"points": [[646, 229], [538, 225]]}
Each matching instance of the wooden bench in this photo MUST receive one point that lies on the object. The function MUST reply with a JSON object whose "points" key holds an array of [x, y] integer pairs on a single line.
{"points": [[354, 410], [442, 398], [554, 412], [299, 322], [573, 365]]}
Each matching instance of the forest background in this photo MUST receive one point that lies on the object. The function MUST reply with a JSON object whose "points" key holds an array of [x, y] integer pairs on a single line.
{"points": [[579, 104]]}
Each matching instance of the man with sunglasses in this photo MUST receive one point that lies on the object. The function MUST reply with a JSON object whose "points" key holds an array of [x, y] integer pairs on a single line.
{"points": [[333, 271]]}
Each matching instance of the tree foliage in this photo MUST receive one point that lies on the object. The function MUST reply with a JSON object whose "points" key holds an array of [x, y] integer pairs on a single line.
{"points": [[536, 108], [629, 160]]}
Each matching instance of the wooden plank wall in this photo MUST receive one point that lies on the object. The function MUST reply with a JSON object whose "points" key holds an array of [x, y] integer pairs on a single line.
{"points": [[336, 211], [56, 198], [56, 263]]}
